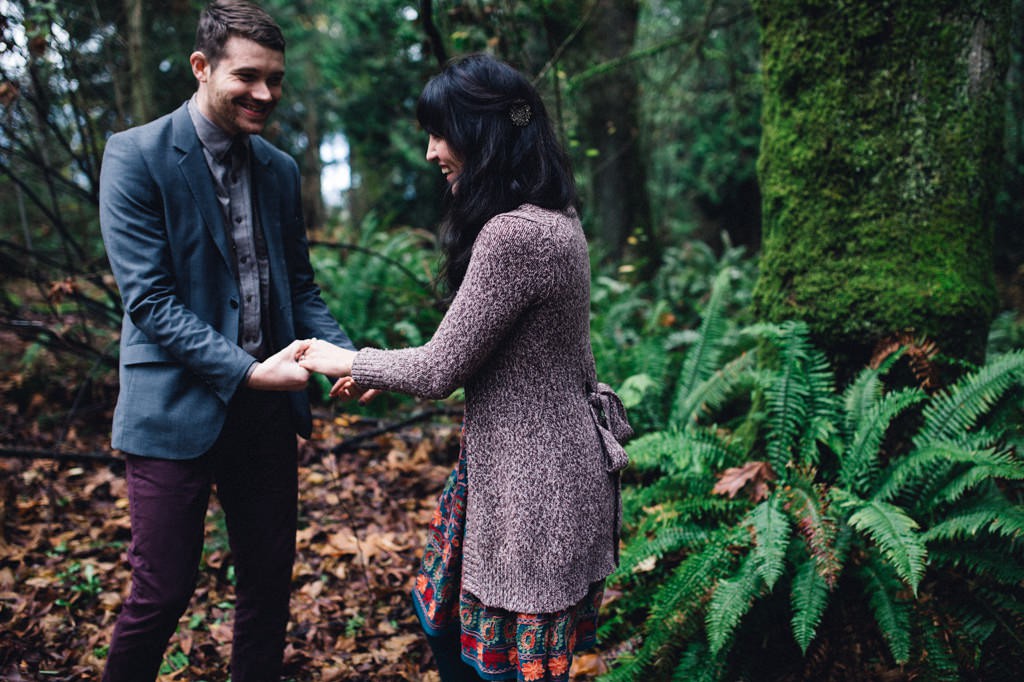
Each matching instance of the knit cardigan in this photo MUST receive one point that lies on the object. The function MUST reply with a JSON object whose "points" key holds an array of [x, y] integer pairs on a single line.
{"points": [[543, 510]]}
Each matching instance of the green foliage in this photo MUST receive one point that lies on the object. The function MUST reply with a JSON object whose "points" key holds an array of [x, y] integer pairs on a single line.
{"points": [[638, 327], [380, 287], [878, 513]]}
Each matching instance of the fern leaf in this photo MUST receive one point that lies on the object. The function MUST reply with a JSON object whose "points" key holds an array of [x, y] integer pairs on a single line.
{"points": [[978, 475], [697, 665], [860, 397], [954, 411], [860, 463], [891, 614], [992, 563], [677, 602], [809, 597], [893, 532], [702, 357], [934, 460], [998, 516], [714, 391], [653, 451], [641, 552], [807, 504], [801, 405], [730, 601], [771, 536]]}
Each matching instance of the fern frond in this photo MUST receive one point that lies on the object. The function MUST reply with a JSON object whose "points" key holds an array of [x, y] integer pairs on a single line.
{"points": [[786, 398], [892, 531], [639, 552], [961, 526], [932, 462], [955, 411], [994, 563], [714, 391], [800, 399], [771, 538], [978, 475], [730, 601], [708, 446], [697, 665], [808, 506], [809, 597], [677, 603], [860, 463], [654, 451], [702, 357], [940, 663], [860, 397], [891, 614]]}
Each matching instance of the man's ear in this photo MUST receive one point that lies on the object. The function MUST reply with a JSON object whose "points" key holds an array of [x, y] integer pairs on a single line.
{"points": [[200, 66]]}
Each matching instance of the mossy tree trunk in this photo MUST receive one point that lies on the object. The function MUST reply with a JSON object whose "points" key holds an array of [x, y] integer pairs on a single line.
{"points": [[880, 158]]}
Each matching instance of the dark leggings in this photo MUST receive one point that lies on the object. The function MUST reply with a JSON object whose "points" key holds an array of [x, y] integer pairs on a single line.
{"points": [[448, 658]]}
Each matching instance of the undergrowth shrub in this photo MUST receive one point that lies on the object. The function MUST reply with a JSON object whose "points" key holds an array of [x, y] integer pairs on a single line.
{"points": [[639, 328], [778, 528]]}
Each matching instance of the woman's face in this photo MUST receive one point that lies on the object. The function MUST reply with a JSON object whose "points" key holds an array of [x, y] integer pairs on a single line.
{"points": [[438, 150]]}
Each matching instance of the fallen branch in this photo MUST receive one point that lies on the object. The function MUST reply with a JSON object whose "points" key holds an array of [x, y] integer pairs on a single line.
{"points": [[61, 456], [351, 441]]}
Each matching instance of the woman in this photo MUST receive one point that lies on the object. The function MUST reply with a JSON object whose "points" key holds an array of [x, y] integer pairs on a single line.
{"points": [[527, 526]]}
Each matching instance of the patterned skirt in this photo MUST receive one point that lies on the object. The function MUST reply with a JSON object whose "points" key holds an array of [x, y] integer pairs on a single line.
{"points": [[499, 644]]}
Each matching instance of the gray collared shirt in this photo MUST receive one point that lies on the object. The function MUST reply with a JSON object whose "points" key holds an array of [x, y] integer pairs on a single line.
{"points": [[229, 160]]}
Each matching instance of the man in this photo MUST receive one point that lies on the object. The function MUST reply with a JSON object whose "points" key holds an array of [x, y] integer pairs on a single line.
{"points": [[202, 223]]}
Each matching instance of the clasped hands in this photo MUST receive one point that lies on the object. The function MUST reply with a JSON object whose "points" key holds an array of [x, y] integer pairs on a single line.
{"points": [[289, 369]]}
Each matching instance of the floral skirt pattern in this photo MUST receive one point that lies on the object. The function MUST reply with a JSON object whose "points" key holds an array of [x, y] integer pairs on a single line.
{"points": [[501, 645]]}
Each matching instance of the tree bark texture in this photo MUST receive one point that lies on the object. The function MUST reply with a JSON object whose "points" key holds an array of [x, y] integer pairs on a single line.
{"points": [[879, 164], [140, 76], [608, 106]]}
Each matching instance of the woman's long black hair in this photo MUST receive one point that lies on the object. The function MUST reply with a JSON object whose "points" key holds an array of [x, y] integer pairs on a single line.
{"points": [[505, 163]]}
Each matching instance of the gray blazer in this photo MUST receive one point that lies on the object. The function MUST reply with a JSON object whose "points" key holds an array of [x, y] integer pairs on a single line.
{"points": [[180, 363]]}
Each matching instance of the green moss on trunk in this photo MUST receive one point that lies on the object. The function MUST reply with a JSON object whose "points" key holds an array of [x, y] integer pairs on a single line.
{"points": [[879, 163]]}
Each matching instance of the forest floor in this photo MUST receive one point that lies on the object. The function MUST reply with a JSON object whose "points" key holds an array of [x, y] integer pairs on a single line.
{"points": [[367, 494]]}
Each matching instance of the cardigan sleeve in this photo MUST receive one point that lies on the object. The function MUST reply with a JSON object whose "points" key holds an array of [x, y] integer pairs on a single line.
{"points": [[510, 270]]}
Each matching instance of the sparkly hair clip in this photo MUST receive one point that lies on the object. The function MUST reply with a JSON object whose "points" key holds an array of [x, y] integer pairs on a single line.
{"points": [[520, 113]]}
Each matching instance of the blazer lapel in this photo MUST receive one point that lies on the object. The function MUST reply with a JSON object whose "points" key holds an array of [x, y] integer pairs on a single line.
{"points": [[196, 173]]}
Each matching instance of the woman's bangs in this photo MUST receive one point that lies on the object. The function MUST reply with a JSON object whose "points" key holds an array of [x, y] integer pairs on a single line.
{"points": [[431, 111]]}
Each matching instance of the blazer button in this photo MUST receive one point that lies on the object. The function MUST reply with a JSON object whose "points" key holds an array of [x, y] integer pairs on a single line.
{"points": [[234, 304]]}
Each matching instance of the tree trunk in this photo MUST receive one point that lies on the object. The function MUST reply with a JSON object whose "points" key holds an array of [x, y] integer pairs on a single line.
{"points": [[140, 75], [879, 163], [312, 166], [607, 102]]}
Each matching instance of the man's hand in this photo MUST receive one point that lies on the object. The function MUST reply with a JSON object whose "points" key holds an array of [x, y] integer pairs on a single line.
{"points": [[280, 372]]}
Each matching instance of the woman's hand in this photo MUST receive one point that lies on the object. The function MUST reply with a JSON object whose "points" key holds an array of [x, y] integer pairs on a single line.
{"points": [[346, 388], [317, 355]]}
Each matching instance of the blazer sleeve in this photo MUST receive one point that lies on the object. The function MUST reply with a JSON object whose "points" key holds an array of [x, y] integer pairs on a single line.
{"points": [[132, 221]]}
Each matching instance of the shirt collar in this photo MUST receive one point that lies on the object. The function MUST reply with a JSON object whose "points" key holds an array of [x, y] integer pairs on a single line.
{"points": [[212, 136]]}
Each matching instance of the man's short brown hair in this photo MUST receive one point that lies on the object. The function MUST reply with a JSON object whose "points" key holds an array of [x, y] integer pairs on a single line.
{"points": [[225, 18]]}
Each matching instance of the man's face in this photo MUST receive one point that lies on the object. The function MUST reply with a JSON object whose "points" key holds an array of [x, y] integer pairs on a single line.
{"points": [[241, 92]]}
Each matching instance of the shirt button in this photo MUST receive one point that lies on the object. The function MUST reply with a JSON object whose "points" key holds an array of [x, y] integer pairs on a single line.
{"points": [[248, 299], [238, 219], [245, 259]]}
